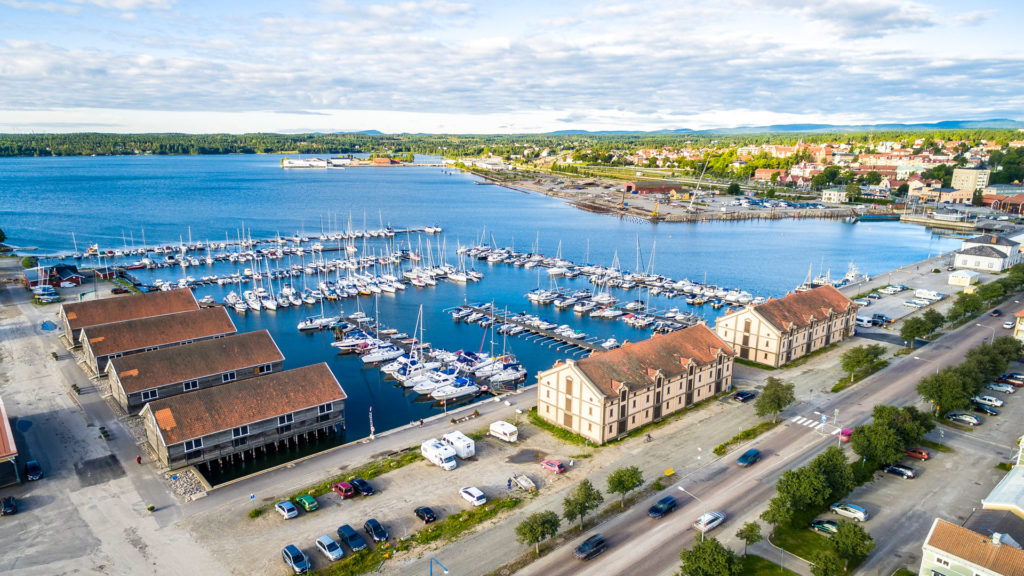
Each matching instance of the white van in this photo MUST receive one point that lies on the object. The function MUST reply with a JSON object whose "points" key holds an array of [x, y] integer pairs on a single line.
{"points": [[439, 453], [864, 321]]}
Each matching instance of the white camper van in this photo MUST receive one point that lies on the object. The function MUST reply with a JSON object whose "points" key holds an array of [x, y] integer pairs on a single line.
{"points": [[439, 453], [463, 445], [504, 431]]}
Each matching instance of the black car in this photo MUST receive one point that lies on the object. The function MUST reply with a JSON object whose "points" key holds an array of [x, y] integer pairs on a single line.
{"points": [[8, 506], [663, 507], [983, 409], [744, 395], [349, 536], [33, 471], [996, 313], [362, 486], [899, 470], [375, 530], [425, 513], [590, 547]]}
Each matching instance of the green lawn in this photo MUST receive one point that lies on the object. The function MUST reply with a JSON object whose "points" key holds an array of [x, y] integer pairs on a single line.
{"points": [[757, 566], [798, 541]]}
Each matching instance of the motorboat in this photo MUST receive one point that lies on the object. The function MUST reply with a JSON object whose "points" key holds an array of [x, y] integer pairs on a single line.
{"points": [[461, 387], [317, 323]]}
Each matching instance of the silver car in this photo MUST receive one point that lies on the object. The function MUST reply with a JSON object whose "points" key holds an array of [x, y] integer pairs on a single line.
{"points": [[330, 548], [988, 401], [1000, 387], [708, 521]]}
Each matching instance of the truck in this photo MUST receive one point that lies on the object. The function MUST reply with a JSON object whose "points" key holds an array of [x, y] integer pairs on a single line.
{"points": [[504, 431], [463, 445], [929, 295], [439, 453]]}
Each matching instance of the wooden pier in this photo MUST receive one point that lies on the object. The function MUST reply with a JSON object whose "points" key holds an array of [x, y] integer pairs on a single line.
{"points": [[544, 334]]}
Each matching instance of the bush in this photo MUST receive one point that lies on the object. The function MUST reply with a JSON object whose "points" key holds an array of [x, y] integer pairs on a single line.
{"points": [[29, 262], [255, 513]]}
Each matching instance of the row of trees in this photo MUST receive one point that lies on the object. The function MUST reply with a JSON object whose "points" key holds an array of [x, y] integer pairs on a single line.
{"points": [[581, 501], [806, 491], [951, 388], [920, 326]]}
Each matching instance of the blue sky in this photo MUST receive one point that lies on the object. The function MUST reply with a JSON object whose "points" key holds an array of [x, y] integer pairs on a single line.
{"points": [[481, 66]]}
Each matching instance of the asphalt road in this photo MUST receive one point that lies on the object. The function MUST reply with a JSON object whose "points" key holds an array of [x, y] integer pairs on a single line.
{"points": [[640, 545]]}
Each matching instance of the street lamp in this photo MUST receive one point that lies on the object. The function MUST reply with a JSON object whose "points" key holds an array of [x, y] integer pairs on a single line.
{"points": [[992, 328], [702, 505], [432, 560]]}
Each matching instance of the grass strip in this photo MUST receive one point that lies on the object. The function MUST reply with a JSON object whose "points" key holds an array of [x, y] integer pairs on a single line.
{"points": [[748, 434]]}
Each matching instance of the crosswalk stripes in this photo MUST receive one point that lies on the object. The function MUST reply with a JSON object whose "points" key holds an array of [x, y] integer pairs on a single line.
{"points": [[812, 423]]}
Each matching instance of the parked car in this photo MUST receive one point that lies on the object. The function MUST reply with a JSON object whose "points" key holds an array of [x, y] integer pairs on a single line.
{"points": [[825, 526], [1016, 375], [344, 489], [308, 502], [330, 548], [473, 495], [708, 521], [862, 302], [662, 507], [33, 471], [964, 418], [996, 313], [875, 296], [983, 409], [905, 472], [287, 509], [919, 453], [1009, 324], [1000, 387], [425, 513], [590, 547], [850, 511], [744, 395], [349, 536], [553, 465], [362, 486], [1011, 379], [8, 506], [375, 530], [882, 318], [749, 457], [988, 401], [295, 559]]}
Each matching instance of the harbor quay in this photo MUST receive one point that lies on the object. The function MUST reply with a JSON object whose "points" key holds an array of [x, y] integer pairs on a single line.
{"points": [[201, 526]]}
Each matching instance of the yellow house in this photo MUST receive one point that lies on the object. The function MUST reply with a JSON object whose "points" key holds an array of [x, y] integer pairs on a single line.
{"points": [[608, 394], [780, 331]]}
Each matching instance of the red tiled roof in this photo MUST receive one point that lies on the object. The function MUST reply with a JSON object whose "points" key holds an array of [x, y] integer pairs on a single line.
{"points": [[976, 548], [119, 309], [799, 309], [636, 363], [105, 339], [8, 449], [227, 406], [138, 372]]}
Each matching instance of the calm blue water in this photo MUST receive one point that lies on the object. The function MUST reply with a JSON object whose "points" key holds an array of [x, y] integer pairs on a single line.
{"points": [[114, 201]]}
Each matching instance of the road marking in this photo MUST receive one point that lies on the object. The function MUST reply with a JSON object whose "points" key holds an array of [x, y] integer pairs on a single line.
{"points": [[800, 420], [836, 431], [796, 418], [811, 423], [819, 426]]}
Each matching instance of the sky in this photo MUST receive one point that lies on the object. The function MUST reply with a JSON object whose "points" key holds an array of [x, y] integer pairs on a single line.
{"points": [[464, 66]]}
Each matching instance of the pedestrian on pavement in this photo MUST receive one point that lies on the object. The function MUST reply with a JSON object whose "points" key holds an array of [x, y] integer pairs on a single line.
{"points": [[421, 422], [570, 463], [509, 483], [138, 459]]}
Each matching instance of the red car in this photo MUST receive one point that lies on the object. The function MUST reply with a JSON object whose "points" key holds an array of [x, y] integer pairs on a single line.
{"points": [[919, 453], [344, 489], [553, 465], [1008, 379]]}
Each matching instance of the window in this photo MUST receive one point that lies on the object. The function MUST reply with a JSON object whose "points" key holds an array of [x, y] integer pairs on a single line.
{"points": [[148, 395], [266, 368], [191, 445], [324, 417], [549, 394], [284, 429], [286, 419], [325, 408], [568, 386], [191, 385], [240, 431], [150, 348], [590, 411], [239, 442], [941, 561], [228, 376]]}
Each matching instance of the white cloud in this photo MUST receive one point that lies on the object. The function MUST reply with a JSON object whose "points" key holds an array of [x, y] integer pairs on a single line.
{"points": [[973, 18]]}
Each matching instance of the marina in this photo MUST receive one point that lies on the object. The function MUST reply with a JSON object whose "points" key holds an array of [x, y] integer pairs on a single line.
{"points": [[63, 201]]}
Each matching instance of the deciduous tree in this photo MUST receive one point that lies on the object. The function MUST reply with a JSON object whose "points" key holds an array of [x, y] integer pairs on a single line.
{"points": [[538, 527], [851, 542], [582, 500], [774, 398], [625, 480], [750, 533], [914, 328], [825, 562], [709, 557]]}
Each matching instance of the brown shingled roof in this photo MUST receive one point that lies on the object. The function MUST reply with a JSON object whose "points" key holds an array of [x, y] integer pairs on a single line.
{"points": [[976, 548], [106, 310], [227, 406], [798, 309], [636, 363], [105, 339], [147, 370]]}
